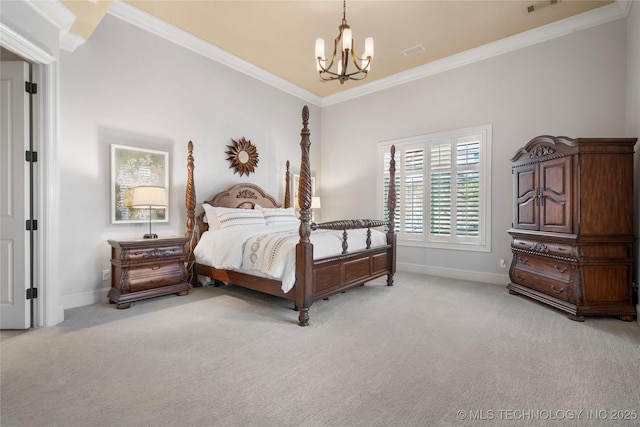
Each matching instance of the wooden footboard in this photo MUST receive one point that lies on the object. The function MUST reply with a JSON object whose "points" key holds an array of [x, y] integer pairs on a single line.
{"points": [[314, 279]]}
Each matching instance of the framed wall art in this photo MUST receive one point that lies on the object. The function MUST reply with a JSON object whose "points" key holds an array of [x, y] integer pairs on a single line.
{"points": [[132, 167]]}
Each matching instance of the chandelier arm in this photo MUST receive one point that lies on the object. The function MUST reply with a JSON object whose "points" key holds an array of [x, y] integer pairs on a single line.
{"points": [[327, 68]]}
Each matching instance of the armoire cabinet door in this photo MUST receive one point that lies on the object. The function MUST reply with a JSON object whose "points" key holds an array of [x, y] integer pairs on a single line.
{"points": [[525, 186], [555, 195]]}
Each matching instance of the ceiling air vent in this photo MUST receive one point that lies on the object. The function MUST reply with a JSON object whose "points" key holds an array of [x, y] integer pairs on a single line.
{"points": [[413, 50], [542, 4]]}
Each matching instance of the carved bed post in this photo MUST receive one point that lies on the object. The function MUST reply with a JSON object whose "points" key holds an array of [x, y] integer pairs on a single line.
{"points": [[287, 183], [190, 203], [304, 249], [391, 210]]}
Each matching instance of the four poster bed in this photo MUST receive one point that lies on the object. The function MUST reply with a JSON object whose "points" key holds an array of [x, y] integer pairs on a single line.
{"points": [[226, 240]]}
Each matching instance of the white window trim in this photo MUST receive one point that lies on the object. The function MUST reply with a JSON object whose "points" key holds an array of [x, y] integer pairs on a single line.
{"points": [[484, 245]]}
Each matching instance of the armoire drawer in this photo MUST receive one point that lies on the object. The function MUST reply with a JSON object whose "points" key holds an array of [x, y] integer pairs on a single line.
{"points": [[542, 283], [545, 248], [550, 267]]}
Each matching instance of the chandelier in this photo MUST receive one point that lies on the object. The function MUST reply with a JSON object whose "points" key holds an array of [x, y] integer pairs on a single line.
{"points": [[335, 67]]}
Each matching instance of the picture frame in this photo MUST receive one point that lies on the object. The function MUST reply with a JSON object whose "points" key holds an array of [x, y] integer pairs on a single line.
{"points": [[132, 167]]}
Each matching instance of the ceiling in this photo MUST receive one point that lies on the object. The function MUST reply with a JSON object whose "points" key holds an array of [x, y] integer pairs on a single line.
{"points": [[279, 36]]}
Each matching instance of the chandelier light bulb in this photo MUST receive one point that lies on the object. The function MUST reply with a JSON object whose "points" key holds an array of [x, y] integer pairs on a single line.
{"points": [[320, 48], [368, 47], [346, 39]]}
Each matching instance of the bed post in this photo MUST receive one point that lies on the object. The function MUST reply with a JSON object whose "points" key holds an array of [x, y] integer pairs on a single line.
{"points": [[304, 249], [190, 203], [287, 185], [391, 211]]}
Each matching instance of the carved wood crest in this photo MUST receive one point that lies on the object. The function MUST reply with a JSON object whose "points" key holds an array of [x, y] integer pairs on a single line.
{"points": [[246, 194], [543, 150]]}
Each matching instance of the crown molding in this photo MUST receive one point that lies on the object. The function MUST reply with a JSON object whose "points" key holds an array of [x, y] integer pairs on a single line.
{"points": [[143, 20], [54, 12], [592, 18], [70, 41]]}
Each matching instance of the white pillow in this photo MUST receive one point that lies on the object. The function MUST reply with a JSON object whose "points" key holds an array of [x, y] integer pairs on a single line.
{"points": [[235, 218], [210, 217], [278, 216]]}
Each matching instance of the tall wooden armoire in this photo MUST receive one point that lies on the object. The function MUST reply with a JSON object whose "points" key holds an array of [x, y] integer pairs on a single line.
{"points": [[573, 225]]}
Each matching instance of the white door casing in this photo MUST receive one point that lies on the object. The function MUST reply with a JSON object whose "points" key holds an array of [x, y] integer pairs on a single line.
{"points": [[14, 197]]}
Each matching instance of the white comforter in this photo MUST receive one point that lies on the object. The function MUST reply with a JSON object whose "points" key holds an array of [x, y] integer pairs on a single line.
{"points": [[270, 251]]}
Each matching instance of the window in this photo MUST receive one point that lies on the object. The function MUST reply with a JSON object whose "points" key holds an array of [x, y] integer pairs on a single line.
{"points": [[443, 192]]}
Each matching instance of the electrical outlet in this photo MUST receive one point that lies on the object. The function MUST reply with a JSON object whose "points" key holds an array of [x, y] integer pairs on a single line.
{"points": [[503, 264], [106, 274]]}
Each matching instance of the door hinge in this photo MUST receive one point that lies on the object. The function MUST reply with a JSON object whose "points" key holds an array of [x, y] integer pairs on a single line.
{"points": [[32, 224], [31, 156], [32, 293], [31, 88]]}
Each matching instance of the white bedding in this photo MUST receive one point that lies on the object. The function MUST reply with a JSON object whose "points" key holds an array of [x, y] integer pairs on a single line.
{"points": [[270, 251]]}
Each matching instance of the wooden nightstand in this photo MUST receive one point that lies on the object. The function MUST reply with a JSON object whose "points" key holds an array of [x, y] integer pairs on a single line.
{"points": [[147, 268]]}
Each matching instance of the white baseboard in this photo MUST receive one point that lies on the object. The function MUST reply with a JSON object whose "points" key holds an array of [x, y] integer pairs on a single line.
{"points": [[84, 298], [474, 276]]}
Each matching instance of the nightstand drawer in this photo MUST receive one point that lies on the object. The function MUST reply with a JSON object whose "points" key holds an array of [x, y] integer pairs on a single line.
{"points": [[152, 276], [136, 255]]}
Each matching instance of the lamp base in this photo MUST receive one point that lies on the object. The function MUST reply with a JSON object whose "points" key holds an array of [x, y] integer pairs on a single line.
{"points": [[150, 236]]}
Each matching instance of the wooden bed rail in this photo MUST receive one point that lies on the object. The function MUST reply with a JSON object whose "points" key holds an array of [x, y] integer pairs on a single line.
{"points": [[350, 224]]}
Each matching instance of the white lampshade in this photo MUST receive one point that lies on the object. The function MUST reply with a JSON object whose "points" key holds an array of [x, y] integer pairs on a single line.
{"points": [[320, 48], [346, 39], [368, 47], [149, 196], [315, 203]]}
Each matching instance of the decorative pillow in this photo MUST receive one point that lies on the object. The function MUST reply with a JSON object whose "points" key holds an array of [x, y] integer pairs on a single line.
{"points": [[278, 216], [235, 218], [210, 217]]}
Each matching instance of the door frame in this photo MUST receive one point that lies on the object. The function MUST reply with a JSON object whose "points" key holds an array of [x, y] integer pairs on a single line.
{"points": [[45, 73]]}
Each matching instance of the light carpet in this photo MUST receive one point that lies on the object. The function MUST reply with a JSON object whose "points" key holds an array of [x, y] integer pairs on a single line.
{"points": [[427, 352]]}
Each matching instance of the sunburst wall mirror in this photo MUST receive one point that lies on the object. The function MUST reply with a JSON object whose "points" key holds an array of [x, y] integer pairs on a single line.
{"points": [[243, 156]]}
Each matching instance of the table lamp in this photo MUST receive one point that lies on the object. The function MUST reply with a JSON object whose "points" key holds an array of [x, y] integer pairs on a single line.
{"points": [[149, 197]]}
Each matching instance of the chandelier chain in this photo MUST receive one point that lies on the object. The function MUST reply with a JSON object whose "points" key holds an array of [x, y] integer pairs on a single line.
{"points": [[344, 12]]}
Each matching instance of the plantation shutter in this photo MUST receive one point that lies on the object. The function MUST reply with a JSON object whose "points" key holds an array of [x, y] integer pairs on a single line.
{"points": [[468, 187], [440, 189], [413, 206]]}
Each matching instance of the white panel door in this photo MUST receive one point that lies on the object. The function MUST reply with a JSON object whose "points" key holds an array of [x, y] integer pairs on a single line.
{"points": [[14, 199]]}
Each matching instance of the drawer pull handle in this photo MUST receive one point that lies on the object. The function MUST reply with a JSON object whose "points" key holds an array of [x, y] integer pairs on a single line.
{"points": [[557, 291], [560, 270], [523, 260], [519, 277], [157, 267]]}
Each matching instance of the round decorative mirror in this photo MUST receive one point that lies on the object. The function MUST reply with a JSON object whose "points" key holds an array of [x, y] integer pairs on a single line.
{"points": [[243, 156]]}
